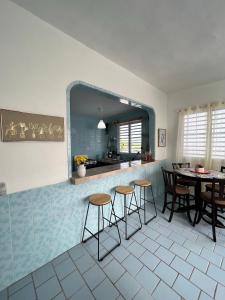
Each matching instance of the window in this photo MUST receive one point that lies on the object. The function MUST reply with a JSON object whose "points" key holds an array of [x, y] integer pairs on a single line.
{"points": [[195, 135], [204, 135], [218, 134], [130, 137]]}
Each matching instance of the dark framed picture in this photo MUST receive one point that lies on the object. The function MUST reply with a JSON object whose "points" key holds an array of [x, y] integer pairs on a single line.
{"points": [[161, 137]]}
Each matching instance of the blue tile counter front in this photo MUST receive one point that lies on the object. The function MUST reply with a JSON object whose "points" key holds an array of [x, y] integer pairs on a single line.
{"points": [[39, 224]]}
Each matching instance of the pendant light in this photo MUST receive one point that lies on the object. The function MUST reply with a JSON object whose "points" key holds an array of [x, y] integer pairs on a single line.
{"points": [[101, 124]]}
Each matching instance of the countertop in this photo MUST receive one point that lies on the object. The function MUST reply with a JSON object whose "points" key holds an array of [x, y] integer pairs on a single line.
{"points": [[102, 172]]}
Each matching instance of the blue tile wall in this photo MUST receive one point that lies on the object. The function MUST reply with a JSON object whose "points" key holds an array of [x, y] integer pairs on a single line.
{"points": [[93, 143], [39, 224]]}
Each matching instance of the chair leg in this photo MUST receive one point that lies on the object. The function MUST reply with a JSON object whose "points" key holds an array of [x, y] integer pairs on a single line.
{"points": [[172, 208], [165, 202], [85, 222], [188, 209], [214, 219]]}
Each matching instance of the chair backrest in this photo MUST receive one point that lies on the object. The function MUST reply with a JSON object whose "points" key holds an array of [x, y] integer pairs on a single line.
{"points": [[222, 169], [218, 189], [169, 178], [181, 165]]}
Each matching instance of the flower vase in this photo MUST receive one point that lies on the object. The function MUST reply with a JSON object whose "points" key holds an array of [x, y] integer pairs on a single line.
{"points": [[81, 170]]}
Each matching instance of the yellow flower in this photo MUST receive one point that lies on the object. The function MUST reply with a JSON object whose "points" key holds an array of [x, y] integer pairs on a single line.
{"points": [[80, 159]]}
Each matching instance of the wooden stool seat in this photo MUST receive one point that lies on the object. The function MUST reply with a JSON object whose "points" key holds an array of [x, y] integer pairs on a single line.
{"points": [[124, 190], [143, 183], [100, 199]]}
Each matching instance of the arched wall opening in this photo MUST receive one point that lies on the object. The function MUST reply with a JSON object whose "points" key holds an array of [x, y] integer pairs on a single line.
{"points": [[82, 105]]}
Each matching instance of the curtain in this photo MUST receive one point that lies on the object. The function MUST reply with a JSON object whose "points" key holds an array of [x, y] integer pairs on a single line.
{"points": [[202, 120]]}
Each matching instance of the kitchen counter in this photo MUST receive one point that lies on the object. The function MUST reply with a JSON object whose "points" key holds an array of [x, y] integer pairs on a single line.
{"points": [[102, 172]]}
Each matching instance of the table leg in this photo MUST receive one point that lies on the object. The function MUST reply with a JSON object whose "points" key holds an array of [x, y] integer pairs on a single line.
{"points": [[198, 203]]}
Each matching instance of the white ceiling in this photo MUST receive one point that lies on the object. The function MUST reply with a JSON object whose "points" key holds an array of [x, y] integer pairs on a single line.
{"points": [[172, 44], [87, 101]]}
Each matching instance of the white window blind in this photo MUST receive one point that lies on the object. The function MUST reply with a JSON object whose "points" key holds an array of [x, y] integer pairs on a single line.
{"points": [[218, 134], [130, 137], [135, 137], [124, 138], [195, 135]]}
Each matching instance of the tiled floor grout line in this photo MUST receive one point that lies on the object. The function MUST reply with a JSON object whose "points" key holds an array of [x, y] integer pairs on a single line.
{"points": [[81, 277], [9, 295], [102, 268], [63, 277], [34, 285]]}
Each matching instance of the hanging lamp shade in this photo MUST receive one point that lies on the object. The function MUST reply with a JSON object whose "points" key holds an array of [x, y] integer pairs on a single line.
{"points": [[101, 125]]}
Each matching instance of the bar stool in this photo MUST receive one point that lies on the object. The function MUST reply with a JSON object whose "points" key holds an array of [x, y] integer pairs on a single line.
{"points": [[144, 184], [100, 200], [126, 191]]}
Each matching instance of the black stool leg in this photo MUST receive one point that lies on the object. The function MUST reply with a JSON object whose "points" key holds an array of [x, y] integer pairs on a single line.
{"points": [[113, 202], [138, 211], [103, 219], [144, 206], [125, 214], [116, 224], [85, 222], [154, 202], [98, 231]]}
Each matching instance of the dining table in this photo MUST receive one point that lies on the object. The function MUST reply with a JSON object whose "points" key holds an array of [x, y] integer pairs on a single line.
{"points": [[199, 180]]}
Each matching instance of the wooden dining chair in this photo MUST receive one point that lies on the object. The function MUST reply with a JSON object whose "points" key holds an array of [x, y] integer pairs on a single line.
{"points": [[181, 165], [208, 186], [214, 200], [183, 181], [178, 193]]}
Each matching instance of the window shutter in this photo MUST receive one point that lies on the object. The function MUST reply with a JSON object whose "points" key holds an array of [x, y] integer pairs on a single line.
{"points": [[195, 135], [218, 134], [124, 138], [135, 137], [130, 137]]}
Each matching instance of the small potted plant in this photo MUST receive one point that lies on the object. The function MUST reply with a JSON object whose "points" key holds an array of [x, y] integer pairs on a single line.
{"points": [[80, 161], [199, 168]]}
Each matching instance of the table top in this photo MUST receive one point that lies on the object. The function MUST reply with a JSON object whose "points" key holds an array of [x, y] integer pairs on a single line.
{"points": [[188, 172]]}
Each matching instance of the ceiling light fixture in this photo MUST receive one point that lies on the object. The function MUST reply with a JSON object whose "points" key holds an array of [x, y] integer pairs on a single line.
{"points": [[124, 101], [101, 124]]}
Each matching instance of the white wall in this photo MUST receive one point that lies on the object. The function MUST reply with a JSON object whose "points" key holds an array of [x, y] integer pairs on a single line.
{"points": [[37, 64], [199, 95]]}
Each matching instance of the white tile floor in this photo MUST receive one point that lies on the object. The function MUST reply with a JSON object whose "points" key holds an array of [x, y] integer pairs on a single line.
{"points": [[162, 261]]}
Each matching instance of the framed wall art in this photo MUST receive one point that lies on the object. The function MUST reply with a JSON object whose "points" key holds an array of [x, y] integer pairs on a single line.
{"points": [[21, 126], [161, 137]]}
